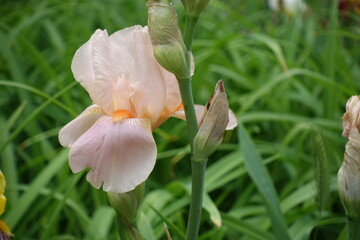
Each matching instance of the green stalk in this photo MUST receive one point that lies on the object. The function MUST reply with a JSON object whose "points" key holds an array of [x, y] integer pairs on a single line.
{"points": [[197, 165], [189, 31], [354, 228], [188, 102], [197, 193]]}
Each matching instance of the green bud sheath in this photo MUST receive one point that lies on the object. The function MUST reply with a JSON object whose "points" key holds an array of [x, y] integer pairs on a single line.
{"points": [[126, 205], [214, 121], [166, 38]]}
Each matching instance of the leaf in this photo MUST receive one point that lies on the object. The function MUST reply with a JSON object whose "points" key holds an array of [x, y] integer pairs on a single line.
{"points": [[168, 222], [145, 227], [28, 198], [274, 46], [260, 176], [246, 228], [213, 211], [100, 223]]}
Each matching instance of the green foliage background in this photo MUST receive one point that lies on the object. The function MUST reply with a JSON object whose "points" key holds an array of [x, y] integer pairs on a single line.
{"points": [[287, 80]]}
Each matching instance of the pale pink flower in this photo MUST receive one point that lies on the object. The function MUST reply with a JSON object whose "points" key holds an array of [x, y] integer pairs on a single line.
{"points": [[132, 96]]}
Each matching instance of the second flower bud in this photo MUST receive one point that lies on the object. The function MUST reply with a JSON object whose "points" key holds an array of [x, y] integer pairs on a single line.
{"points": [[165, 35], [213, 126]]}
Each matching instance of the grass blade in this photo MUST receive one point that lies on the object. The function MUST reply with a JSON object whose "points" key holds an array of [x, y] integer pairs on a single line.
{"points": [[260, 176], [100, 223], [25, 201], [246, 228]]}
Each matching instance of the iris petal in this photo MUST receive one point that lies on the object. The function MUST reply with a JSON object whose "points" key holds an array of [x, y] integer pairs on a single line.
{"points": [[92, 66], [121, 154], [142, 84], [74, 129]]}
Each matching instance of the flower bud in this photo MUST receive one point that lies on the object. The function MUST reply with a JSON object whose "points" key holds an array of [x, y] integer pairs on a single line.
{"points": [[289, 7], [2, 189], [349, 176], [351, 118], [194, 7], [166, 38], [5, 232], [349, 173], [126, 204], [214, 121]]}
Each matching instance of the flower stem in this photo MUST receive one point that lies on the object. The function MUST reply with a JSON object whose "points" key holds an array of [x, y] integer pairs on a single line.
{"points": [[188, 102], [189, 31], [354, 228], [197, 165], [197, 192]]}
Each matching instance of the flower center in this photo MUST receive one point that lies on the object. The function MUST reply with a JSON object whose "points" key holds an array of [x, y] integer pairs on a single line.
{"points": [[119, 115]]}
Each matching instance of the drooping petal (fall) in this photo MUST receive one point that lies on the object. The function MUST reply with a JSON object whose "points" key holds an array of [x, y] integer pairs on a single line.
{"points": [[180, 113], [199, 109], [74, 129], [232, 121], [121, 154], [92, 68]]}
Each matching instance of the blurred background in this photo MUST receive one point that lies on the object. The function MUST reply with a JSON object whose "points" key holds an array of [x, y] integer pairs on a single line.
{"points": [[288, 79]]}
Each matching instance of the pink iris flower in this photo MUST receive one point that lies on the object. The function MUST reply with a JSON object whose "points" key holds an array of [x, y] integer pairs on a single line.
{"points": [[132, 95]]}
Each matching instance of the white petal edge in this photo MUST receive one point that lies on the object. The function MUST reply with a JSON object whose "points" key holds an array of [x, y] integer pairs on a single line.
{"points": [[74, 129], [199, 109], [121, 155]]}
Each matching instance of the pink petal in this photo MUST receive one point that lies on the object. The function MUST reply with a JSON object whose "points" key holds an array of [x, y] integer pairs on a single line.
{"points": [[199, 109], [121, 154], [173, 97], [121, 51], [74, 129], [92, 68], [181, 113], [232, 121], [132, 57], [122, 93]]}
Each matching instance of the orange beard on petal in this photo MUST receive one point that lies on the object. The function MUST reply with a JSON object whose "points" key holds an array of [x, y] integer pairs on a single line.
{"points": [[119, 115]]}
